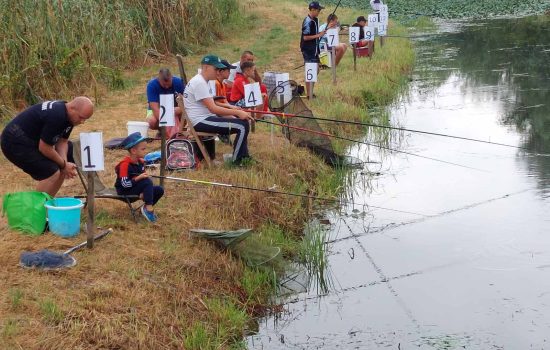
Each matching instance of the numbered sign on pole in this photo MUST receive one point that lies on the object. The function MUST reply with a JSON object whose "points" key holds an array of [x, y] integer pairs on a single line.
{"points": [[369, 32], [332, 37], [91, 151], [252, 95], [166, 113], [354, 35], [283, 87], [311, 72], [382, 29], [372, 20]]}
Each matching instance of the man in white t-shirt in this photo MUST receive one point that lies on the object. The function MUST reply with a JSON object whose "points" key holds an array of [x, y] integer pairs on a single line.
{"points": [[206, 116]]}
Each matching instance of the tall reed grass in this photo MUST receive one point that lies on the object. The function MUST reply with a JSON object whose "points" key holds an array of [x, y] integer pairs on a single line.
{"points": [[50, 48]]}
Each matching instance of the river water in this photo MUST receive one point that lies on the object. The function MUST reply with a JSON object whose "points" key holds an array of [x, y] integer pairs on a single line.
{"points": [[464, 260]]}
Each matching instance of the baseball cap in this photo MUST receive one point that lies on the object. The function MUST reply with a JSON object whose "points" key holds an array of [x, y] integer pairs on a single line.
{"points": [[213, 60], [228, 65], [315, 5], [132, 140], [361, 19]]}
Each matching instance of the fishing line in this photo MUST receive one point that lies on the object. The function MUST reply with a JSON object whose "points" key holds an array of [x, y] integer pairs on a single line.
{"points": [[389, 127], [219, 184], [368, 144]]}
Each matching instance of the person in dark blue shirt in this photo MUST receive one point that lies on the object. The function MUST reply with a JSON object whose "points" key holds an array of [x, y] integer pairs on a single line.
{"points": [[164, 83], [310, 37], [37, 141]]}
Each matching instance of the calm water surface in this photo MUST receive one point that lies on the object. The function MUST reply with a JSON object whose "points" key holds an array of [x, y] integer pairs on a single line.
{"points": [[469, 265]]}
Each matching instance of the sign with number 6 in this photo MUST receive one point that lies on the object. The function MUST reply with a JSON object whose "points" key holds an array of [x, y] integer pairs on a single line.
{"points": [[354, 35], [311, 72], [252, 95], [91, 151], [166, 113]]}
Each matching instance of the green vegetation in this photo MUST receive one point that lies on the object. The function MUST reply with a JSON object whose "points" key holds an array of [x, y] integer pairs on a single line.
{"points": [[456, 8], [51, 312], [53, 48]]}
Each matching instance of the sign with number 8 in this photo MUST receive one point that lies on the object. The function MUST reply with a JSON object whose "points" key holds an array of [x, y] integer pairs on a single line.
{"points": [[354, 35]]}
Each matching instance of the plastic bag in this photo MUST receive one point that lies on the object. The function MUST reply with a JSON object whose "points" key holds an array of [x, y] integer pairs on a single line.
{"points": [[26, 211]]}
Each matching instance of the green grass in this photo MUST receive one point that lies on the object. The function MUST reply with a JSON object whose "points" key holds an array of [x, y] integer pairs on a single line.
{"points": [[15, 296], [51, 312], [9, 328]]}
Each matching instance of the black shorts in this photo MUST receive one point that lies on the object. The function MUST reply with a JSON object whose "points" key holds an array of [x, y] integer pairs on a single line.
{"points": [[23, 152], [310, 58]]}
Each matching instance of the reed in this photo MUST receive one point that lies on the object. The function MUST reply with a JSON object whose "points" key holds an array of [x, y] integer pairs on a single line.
{"points": [[51, 49]]}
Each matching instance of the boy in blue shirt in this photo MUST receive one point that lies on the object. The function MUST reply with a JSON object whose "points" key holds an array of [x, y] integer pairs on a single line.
{"points": [[133, 180]]}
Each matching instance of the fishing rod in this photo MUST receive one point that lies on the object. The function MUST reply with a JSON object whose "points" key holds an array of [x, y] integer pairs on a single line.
{"points": [[367, 143], [387, 127], [292, 194]]}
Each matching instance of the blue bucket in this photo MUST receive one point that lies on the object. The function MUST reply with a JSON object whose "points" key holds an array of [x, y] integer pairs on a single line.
{"points": [[64, 216]]}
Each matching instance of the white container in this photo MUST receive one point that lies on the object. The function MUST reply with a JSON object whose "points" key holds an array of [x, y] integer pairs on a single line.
{"points": [[140, 127], [228, 157]]}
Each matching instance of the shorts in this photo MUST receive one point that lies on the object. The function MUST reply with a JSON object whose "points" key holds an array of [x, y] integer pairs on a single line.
{"points": [[310, 58], [23, 152]]}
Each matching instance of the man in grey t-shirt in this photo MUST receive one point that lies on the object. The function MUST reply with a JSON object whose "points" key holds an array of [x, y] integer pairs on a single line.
{"points": [[206, 116]]}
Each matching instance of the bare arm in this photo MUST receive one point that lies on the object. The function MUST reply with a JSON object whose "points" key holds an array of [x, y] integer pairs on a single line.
{"points": [[62, 147], [155, 107], [218, 110], [58, 154], [50, 152]]}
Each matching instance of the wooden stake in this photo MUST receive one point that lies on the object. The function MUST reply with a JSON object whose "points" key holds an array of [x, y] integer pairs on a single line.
{"points": [[353, 47], [162, 153], [90, 230], [333, 64]]}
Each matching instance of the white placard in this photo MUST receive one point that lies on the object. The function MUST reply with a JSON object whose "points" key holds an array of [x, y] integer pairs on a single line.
{"points": [[372, 20], [91, 151], [311, 72], [369, 32], [354, 34], [252, 95], [384, 18], [283, 86], [332, 37], [166, 113], [382, 29], [384, 9], [212, 87]]}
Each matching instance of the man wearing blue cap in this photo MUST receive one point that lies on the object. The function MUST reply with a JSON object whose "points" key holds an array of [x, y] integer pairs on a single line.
{"points": [[132, 179], [310, 38], [206, 116]]}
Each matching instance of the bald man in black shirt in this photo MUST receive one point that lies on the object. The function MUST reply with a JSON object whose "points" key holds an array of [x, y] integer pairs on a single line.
{"points": [[37, 141]]}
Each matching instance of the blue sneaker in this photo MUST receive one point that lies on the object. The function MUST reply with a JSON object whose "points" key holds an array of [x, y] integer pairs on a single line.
{"points": [[149, 215]]}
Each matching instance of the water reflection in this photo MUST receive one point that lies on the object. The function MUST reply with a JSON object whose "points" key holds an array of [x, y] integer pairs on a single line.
{"points": [[472, 270]]}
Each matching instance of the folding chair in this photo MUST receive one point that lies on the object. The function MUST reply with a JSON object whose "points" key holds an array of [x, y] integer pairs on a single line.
{"points": [[191, 133], [101, 191]]}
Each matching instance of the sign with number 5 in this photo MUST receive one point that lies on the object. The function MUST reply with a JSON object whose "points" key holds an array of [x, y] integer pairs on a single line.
{"points": [[253, 95], [311, 72], [91, 151]]}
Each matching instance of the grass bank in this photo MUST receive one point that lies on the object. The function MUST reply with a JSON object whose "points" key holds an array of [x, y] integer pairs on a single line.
{"points": [[151, 286]]}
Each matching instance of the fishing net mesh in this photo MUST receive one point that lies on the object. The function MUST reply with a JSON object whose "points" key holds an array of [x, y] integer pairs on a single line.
{"points": [[284, 101]]}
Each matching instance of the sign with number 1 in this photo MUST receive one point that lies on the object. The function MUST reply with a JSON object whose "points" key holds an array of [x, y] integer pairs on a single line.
{"points": [[252, 95], [354, 35], [91, 151], [332, 37], [166, 113], [311, 72], [382, 29]]}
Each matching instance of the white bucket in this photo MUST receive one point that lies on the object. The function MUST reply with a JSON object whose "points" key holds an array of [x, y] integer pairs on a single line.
{"points": [[140, 127]]}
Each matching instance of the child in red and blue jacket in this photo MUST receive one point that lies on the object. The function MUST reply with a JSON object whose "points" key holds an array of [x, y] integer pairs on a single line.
{"points": [[132, 178]]}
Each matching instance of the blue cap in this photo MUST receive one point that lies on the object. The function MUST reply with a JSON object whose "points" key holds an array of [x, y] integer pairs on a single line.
{"points": [[132, 140], [315, 5]]}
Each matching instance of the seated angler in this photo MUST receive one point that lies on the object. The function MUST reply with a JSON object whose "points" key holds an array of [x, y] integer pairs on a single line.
{"points": [[332, 22], [237, 96], [206, 116]]}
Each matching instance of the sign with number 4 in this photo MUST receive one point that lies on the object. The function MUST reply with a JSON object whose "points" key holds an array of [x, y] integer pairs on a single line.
{"points": [[166, 113], [354, 35], [311, 72], [252, 95], [91, 151]]}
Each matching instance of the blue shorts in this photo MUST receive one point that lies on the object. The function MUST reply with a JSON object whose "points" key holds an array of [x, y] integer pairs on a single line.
{"points": [[310, 58]]}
